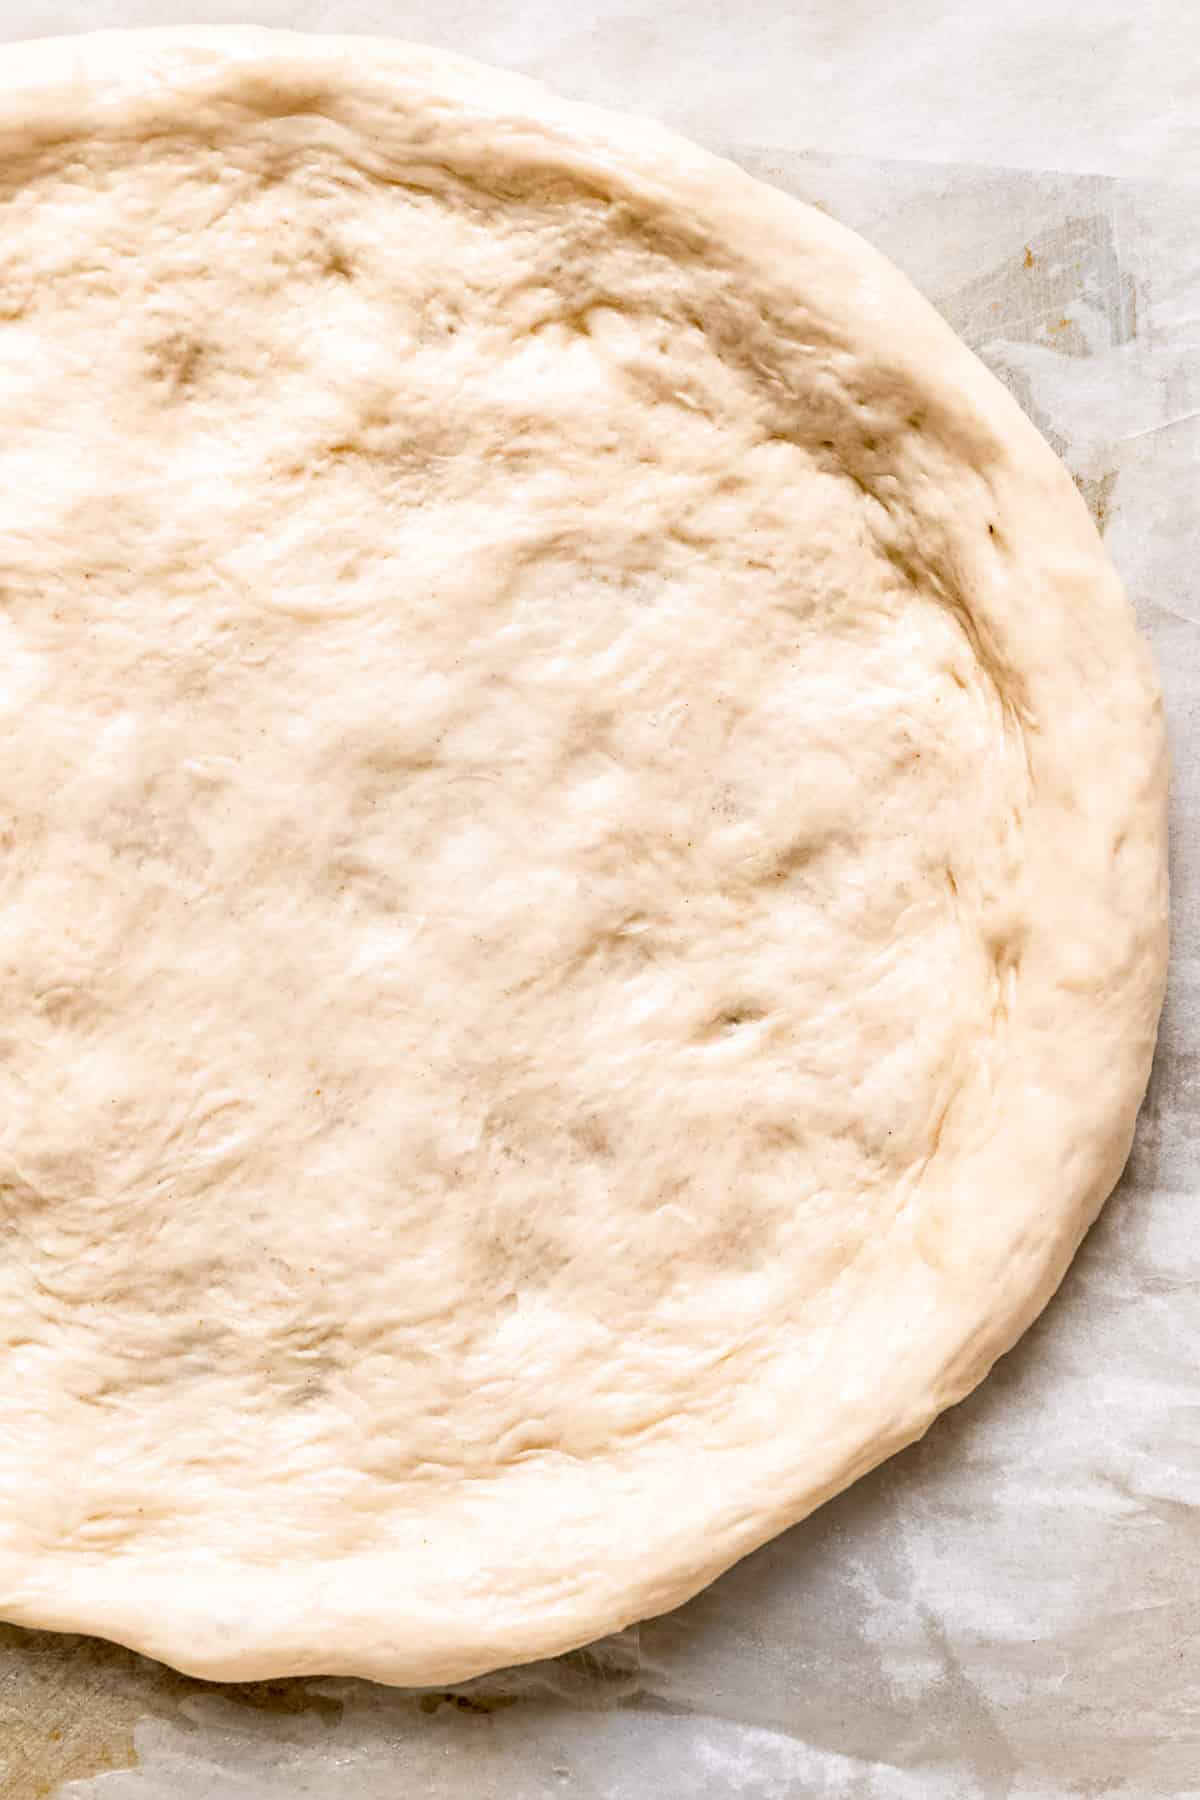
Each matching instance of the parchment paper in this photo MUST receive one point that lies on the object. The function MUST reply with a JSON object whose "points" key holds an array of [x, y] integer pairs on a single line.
{"points": [[1012, 1607]]}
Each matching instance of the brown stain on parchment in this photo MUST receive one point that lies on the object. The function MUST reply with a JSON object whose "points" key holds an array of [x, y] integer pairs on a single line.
{"points": [[69, 1706], [468, 1703], [1097, 491], [1076, 264], [1035, 295]]}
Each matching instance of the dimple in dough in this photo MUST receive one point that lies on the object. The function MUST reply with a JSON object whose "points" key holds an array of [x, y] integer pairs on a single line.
{"points": [[584, 880]]}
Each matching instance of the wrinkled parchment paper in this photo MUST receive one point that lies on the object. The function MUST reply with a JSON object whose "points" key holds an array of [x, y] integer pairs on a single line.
{"points": [[1012, 1607]]}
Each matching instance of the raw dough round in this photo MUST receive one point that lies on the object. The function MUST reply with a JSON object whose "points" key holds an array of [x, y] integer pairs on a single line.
{"points": [[584, 883]]}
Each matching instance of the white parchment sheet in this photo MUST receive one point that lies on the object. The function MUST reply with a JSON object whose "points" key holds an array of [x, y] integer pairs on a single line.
{"points": [[1010, 1609]]}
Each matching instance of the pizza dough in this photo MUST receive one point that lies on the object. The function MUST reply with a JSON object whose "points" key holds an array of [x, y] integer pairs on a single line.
{"points": [[584, 880]]}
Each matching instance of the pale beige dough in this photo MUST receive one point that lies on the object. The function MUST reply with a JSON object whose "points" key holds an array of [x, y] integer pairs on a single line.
{"points": [[584, 878]]}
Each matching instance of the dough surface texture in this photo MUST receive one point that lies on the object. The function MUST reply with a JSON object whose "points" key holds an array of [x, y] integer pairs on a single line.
{"points": [[584, 904]]}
